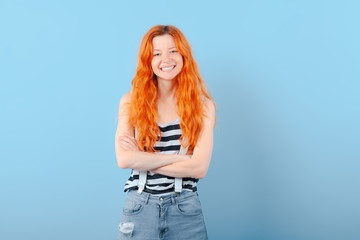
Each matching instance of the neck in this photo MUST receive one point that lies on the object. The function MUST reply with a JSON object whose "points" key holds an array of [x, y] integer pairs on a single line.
{"points": [[166, 90]]}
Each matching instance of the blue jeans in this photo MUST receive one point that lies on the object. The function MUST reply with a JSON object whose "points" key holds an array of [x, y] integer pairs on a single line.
{"points": [[145, 216]]}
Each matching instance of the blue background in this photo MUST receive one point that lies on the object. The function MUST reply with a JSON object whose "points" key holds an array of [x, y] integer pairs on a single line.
{"points": [[285, 77]]}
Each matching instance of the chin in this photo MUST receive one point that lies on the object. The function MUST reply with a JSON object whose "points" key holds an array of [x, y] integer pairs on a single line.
{"points": [[167, 77]]}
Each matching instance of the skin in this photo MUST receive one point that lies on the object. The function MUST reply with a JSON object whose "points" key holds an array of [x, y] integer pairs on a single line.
{"points": [[165, 54], [128, 153]]}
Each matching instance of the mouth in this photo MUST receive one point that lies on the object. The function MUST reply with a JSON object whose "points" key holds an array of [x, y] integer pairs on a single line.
{"points": [[167, 69]]}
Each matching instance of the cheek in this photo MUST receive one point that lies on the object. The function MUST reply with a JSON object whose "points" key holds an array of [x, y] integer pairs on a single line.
{"points": [[154, 65], [180, 62]]}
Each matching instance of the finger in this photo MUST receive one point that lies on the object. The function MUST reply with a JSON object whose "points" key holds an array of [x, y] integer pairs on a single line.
{"points": [[122, 138], [131, 140], [124, 146], [129, 144], [134, 141], [125, 135], [125, 139], [128, 135]]}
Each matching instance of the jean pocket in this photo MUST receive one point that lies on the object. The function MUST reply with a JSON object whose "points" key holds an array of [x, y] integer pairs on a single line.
{"points": [[131, 207], [190, 206]]}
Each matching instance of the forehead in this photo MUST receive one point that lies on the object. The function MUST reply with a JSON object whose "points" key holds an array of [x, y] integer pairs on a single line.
{"points": [[163, 42]]}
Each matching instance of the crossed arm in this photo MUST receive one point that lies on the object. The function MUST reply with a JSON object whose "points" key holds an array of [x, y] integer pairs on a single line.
{"points": [[129, 155]]}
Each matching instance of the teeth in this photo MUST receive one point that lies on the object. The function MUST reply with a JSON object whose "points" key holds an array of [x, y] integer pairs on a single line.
{"points": [[167, 69]]}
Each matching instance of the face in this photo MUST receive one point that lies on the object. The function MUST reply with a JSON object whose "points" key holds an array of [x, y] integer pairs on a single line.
{"points": [[167, 62]]}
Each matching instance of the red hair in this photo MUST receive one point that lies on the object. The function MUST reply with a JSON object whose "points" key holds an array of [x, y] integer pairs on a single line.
{"points": [[190, 93]]}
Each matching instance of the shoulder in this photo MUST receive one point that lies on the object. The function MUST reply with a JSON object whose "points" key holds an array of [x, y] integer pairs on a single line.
{"points": [[124, 126], [125, 98], [209, 111], [124, 102], [210, 105]]}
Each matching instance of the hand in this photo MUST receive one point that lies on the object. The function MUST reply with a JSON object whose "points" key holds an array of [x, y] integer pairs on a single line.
{"points": [[128, 142]]}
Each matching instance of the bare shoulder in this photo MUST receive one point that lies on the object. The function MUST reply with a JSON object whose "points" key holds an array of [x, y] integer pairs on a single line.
{"points": [[124, 103], [125, 98], [210, 105], [123, 120], [209, 111]]}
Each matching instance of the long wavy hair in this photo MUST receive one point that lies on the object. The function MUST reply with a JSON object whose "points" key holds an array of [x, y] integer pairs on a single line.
{"points": [[190, 93]]}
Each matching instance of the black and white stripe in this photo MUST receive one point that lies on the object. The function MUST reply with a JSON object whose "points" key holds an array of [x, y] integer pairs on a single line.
{"points": [[159, 184]]}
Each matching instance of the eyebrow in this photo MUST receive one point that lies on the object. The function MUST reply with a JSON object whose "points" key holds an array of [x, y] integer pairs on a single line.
{"points": [[159, 50]]}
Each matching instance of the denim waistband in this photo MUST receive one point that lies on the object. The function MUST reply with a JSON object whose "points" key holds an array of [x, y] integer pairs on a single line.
{"points": [[149, 198]]}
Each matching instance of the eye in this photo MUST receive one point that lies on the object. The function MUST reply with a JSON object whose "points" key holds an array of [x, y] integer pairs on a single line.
{"points": [[173, 51], [156, 54]]}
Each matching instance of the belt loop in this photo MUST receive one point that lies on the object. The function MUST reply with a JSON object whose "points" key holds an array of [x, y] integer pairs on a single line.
{"points": [[172, 199], [147, 196]]}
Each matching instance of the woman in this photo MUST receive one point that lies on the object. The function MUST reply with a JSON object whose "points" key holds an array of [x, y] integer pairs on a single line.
{"points": [[165, 135]]}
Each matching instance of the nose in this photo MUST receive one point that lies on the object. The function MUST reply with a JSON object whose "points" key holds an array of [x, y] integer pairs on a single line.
{"points": [[165, 57]]}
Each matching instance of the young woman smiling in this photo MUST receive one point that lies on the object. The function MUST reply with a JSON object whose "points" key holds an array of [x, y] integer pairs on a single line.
{"points": [[165, 135]]}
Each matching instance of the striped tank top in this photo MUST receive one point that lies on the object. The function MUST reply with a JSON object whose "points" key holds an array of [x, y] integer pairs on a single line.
{"points": [[159, 184]]}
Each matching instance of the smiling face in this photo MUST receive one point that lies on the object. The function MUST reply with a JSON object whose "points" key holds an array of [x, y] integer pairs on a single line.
{"points": [[167, 62]]}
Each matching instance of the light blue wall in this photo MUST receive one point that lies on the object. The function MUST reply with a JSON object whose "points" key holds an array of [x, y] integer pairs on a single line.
{"points": [[285, 76]]}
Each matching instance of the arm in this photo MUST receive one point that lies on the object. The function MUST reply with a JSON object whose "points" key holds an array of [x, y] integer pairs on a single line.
{"points": [[199, 162], [142, 161]]}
